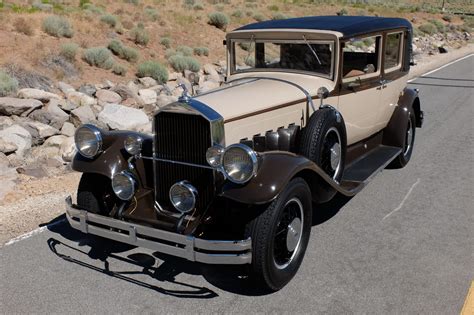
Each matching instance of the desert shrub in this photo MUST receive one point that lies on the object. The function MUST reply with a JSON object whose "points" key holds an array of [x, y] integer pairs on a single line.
{"points": [[115, 46], [99, 57], [109, 19], [279, 16], [92, 8], [201, 51], [166, 42], [198, 7], [23, 26], [416, 32], [122, 51], [251, 5], [259, 17], [139, 35], [8, 85], [343, 11], [153, 69], [152, 14], [169, 53], [57, 26], [447, 18], [184, 50], [273, 7], [135, 2], [219, 20], [189, 3], [69, 51], [439, 25], [119, 69], [238, 14], [181, 63], [427, 28]]}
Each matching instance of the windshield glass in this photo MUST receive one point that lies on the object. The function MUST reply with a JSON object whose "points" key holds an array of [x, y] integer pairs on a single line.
{"points": [[315, 57]]}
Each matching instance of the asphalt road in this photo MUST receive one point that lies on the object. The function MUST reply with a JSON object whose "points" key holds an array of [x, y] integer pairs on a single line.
{"points": [[403, 245]]}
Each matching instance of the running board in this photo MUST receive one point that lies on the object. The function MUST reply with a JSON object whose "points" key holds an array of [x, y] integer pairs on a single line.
{"points": [[360, 172]]}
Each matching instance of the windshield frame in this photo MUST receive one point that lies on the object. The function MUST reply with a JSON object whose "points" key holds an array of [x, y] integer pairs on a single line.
{"points": [[235, 41]]}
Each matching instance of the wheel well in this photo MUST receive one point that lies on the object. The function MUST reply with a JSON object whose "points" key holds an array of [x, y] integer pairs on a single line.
{"points": [[417, 109], [320, 190]]}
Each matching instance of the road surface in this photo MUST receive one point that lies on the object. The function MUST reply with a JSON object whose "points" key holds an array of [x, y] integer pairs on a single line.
{"points": [[402, 245]]}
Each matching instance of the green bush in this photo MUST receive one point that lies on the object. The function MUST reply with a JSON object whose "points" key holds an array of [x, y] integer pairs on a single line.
{"points": [[119, 69], [122, 51], [69, 51], [8, 85], [219, 20], [57, 26], [166, 42], [139, 35], [181, 63], [259, 17], [238, 14], [279, 16], [184, 50], [153, 69], [447, 18], [109, 19], [439, 25], [427, 28], [99, 57], [201, 51], [152, 14], [198, 7], [273, 7]]}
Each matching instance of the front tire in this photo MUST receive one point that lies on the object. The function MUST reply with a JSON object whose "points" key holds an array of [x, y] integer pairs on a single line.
{"points": [[280, 236]]}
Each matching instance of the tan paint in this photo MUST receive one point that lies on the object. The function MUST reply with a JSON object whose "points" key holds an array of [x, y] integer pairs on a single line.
{"points": [[389, 99]]}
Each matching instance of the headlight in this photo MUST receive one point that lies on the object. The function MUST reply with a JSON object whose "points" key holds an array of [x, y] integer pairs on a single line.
{"points": [[214, 155], [183, 196], [124, 185], [239, 163], [133, 145], [88, 139]]}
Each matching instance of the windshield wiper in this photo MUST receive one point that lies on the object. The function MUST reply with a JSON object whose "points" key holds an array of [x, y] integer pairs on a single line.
{"points": [[312, 50]]}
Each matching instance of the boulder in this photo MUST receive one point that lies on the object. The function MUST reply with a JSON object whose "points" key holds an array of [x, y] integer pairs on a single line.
{"points": [[148, 96], [122, 117], [164, 100], [44, 152], [173, 76], [148, 82], [67, 150], [80, 99], [58, 116], [68, 129], [54, 141], [107, 96], [5, 122], [207, 86], [7, 146], [37, 94], [146, 128], [211, 71], [65, 88], [126, 92], [19, 136], [87, 89], [82, 115], [130, 102], [40, 130], [67, 105], [16, 106]]}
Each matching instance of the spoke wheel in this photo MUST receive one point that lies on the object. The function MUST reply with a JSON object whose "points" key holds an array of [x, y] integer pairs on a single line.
{"points": [[331, 153]]}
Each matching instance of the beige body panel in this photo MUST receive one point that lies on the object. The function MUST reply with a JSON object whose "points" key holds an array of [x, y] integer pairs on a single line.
{"points": [[390, 95]]}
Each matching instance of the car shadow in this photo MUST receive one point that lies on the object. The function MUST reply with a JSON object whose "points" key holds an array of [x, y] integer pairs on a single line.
{"points": [[325, 211]]}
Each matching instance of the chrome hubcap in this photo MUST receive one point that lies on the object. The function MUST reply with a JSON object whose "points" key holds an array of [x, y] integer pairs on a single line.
{"points": [[408, 138], [331, 153], [335, 155], [293, 235]]}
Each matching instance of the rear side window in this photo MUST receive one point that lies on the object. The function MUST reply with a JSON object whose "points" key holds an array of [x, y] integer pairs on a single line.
{"points": [[361, 57], [392, 50]]}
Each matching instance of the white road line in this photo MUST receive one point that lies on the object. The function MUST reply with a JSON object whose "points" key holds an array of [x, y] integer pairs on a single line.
{"points": [[32, 233], [439, 68], [403, 201]]}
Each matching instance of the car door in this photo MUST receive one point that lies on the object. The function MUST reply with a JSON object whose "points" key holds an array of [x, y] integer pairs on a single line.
{"points": [[393, 79], [360, 92]]}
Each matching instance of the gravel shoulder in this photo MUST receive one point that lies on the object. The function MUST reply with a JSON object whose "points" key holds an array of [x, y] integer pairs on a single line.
{"points": [[27, 202]]}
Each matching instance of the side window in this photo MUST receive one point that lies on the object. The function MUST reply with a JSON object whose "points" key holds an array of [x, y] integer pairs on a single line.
{"points": [[392, 50], [361, 57]]}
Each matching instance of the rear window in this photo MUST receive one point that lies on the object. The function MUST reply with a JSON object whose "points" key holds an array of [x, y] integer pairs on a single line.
{"points": [[392, 50]]}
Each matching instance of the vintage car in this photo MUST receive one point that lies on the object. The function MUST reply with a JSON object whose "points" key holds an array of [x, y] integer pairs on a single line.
{"points": [[311, 107]]}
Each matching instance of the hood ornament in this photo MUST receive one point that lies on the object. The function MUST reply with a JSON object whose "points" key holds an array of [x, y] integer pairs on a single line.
{"points": [[185, 96]]}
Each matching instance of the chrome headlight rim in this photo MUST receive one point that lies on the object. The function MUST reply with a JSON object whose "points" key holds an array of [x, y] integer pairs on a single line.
{"points": [[133, 185], [98, 139], [214, 155], [191, 189], [253, 157], [133, 140]]}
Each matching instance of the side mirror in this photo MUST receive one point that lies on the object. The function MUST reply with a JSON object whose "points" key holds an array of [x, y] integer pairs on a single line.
{"points": [[323, 92]]}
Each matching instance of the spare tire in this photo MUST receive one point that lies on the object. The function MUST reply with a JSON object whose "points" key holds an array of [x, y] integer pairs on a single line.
{"points": [[323, 141]]}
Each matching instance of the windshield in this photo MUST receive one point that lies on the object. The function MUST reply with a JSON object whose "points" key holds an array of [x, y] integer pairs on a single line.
{"points": [[315, 57]]}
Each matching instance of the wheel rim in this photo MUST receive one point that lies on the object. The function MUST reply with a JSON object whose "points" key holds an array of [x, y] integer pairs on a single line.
{"points": [[331, 153], [408, 138], [288, 234]]}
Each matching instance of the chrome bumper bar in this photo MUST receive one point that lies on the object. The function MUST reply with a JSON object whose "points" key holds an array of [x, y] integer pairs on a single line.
{"points": [[184, 246]]}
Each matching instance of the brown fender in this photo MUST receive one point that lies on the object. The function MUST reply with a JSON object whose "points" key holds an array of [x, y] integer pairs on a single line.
{"points": [[114, 158], [394, 133], [275, 172]]}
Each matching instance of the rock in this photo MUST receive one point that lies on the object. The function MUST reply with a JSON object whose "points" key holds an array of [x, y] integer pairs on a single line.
{"points": [[87, 89], [186, 83], [133, 87], [146, 128], [58, 116], [108, 84], [173, 76], [65, 88], [207, 86], [164, 100], [211, 71], [82, 115], [67, 105], [148, 82], [148, 96], [19, 136], [126, 92], [41, 130], [37, 94], [5, 122], [16, 106], [80, 99], [107, 96], [122, 118], [130, 102], [67, 149], [68, 129], [442, 50], [7, 146], [54, 141]]}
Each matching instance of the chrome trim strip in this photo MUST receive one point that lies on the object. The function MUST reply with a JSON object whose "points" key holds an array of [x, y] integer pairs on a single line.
{"points": [[233, 252], [178, 162]]}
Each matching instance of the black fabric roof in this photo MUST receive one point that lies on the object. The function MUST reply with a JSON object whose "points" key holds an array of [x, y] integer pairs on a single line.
{"points": [[349, 26]]}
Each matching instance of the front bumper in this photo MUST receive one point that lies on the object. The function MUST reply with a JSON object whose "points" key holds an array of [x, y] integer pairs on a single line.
{"points": [[184, 246]]}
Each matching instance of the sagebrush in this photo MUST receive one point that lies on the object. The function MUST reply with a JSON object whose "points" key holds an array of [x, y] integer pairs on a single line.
{"points": [[153, 69]]}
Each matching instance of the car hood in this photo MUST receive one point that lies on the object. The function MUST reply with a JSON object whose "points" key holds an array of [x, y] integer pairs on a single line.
{"points": [[252, 93]]}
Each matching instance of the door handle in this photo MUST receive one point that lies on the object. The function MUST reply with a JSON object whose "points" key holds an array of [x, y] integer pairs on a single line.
{"points": [[384, 83]]}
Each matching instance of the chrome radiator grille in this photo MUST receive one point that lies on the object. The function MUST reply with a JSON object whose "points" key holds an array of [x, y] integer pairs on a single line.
{"points": [[183, 138]]}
